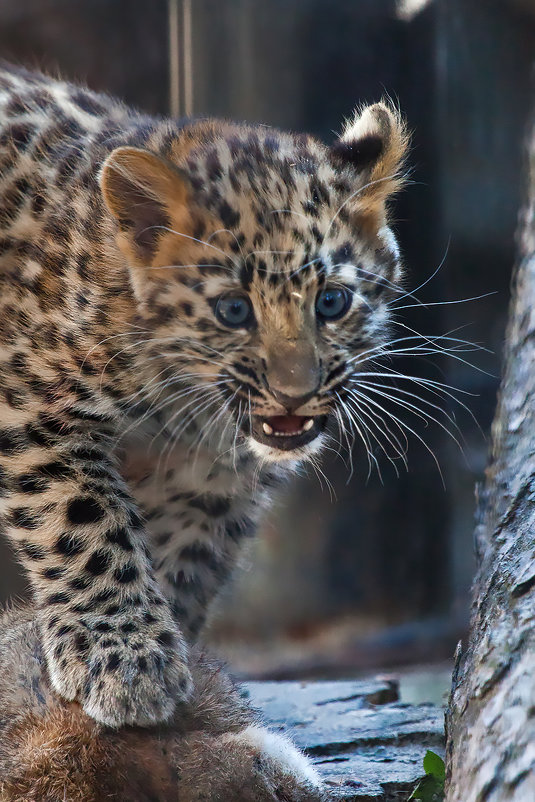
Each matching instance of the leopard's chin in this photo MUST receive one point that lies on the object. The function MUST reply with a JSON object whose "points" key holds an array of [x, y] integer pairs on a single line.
{"points": [[288, 433]]}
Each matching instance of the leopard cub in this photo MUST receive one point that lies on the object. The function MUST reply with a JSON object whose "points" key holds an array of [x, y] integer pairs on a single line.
{"points": [[183, 307]]}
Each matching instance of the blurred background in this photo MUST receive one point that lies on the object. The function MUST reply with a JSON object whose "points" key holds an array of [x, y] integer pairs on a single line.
{"points": [[374, 573]]}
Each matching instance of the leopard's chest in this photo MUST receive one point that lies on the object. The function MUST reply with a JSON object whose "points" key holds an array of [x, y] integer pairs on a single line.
{"points": [[167, 479]]}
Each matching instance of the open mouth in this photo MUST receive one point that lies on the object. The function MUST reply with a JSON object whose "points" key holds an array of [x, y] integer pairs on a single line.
{"points": [[287, 432]]}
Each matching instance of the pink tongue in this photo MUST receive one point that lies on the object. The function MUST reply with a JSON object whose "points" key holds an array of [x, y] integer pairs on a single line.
{"points": [[289, 424]]}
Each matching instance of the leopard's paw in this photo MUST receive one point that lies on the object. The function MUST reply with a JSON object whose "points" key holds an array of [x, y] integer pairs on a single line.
{"points": [[122, 671]]}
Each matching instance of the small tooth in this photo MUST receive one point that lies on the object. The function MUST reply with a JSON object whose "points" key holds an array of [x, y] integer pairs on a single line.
{"points": [[267, 428], [307, 426]]}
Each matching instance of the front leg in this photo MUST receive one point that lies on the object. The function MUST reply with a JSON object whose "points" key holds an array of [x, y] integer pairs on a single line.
{"points": [[109, 637], [195, 546], [198, 514]]}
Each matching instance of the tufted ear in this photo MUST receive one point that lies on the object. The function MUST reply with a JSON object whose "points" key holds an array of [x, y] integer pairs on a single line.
{"points": [[147, 195], [373, 144]]}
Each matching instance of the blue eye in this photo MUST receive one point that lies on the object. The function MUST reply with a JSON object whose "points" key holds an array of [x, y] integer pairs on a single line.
{"points": [[234, 310], [332, 303]]}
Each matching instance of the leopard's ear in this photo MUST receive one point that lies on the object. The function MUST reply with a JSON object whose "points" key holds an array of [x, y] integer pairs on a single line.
{"points": [[148, 196], [374, 144]]}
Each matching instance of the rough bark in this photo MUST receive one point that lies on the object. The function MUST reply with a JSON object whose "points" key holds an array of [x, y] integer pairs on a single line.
{"points": [[491, 718]]}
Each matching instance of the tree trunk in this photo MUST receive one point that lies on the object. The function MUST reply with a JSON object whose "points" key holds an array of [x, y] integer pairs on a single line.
{"points": [[491, 717]]}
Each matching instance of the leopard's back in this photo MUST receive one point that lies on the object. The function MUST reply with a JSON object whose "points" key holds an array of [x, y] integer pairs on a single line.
{"points": [[52, 137], [55, 234]]}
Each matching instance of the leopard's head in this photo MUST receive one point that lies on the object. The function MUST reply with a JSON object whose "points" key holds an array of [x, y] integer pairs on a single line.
{"points": [[263, 265]]}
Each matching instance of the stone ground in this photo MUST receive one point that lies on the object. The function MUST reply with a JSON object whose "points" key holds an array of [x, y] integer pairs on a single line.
{"points": [[368, 746]]}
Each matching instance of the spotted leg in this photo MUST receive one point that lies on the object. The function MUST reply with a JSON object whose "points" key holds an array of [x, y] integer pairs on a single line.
{"points": [[109, 637], [197, 519]]}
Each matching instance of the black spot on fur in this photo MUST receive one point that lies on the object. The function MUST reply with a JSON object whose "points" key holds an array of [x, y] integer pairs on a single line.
{"points": [[12, 441], [243, 370], [104, 596], [338, 371], [59, 649], [69, 545], [237, 530], [64, 630], [54, 425], [24, 518], [31, 484], [55, 470], [103, 627], [199, 553], [21, 134], [213, 165], [228, 215], [126, 574], [59, 598], [33, 552], [246, 274], [120, 537], [37, 436], [81, 643], [82, 392], [135, 520], [98, 563], [14, 398], [96, 669], [87, 368], [343, 254], [38, 202], [81, 266], [19, 363], [4, 483], [114, 661], [214, 506], [53, 573], [88, 453], [84, 510], [80, 583], [166, 638]]}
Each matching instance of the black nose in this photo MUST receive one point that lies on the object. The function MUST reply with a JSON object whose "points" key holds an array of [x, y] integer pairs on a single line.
{"points": [[291, 402]]}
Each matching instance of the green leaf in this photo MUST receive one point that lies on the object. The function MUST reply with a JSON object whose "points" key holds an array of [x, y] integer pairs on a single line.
{"points": [[431, 787], [434, 765]]}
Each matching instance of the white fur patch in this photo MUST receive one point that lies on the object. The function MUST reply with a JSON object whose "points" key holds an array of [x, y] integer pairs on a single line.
{"points": [[291, 459], [387, 236], [282, 752], [363, 124], [346, 272]]}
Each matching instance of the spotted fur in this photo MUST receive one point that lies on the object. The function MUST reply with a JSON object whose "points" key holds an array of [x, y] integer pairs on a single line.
{"points": [[133, 457], [214, 749]]}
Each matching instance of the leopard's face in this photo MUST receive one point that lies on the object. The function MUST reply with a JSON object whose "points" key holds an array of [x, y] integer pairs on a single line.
{"points": [[277, 327], [265, 283]]}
